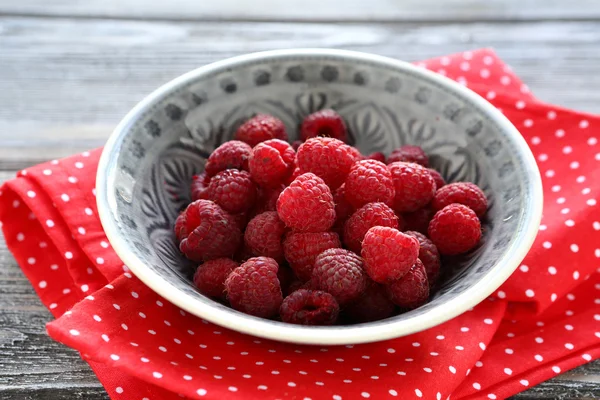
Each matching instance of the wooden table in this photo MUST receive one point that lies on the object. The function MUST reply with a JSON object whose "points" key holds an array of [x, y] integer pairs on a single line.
{"points": [[69, 70]]}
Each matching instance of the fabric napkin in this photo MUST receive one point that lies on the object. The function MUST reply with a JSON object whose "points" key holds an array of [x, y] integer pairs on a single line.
{"points": [[543, 321]]}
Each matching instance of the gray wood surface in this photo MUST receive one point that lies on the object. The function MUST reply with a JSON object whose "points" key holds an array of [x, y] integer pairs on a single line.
{"points": [[70, 69]]}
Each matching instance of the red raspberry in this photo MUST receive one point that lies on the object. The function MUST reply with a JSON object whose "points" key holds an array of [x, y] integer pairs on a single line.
{"points": [[301, 250], [465, 193], [253, 287], [366, 217], [388, 253], [233, 190], [294, 175], [267, 199], [230, 155], [271, 162], [309, 307], [261, 128], [414, 186], [296, 144], [378, 156], [373, 305], [408, 153], [341, 273], [412, 290], [437, 177], [241, 220], [263, 235], [206, 231], [343, 208], [307, 205], [327, 158], [455, 229], [326, 123], [210, 276], [369, 181], [429, 256], [199, 186], [418, 220]]}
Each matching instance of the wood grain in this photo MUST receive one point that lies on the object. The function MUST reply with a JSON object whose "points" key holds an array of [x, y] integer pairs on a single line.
{"points": [[312, 10]]}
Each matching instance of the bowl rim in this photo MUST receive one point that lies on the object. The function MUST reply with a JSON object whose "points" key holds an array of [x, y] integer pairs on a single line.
{"points": [[268, 329]]}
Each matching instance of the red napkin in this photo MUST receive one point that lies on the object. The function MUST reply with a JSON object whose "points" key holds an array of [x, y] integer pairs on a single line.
{"points": [[544, 320]]}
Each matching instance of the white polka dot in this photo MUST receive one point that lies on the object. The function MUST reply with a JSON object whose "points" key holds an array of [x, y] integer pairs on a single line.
{"points": [[465, 66], [543, 227], [586, 357], [428, 370], [490, 95], [570, 223], [81, 230], [485, 73], [505, 80], [114, 357], [591, 202], [539, 340], [47, 172], [597, 157], [464, 329], [538, 358], [68, 255], [418, 393], [74, 332], [574, 248], [547, 245], [520, 104], [100, 260], [119, 389], [501, 294], [416, 344], [337, 397], [575, 275], [88, 211], [508, 371], [550, 173], [574, 165], [569, 346], [43, 245], [105, 337], [551, 114], [79, 165], [390, 350], [72, 179], [53, 306], [440, 337], [567, 150], [556, 369], [553, 297], [569, 313], [116, 306], [42, 284], [529, 293], [104, 244], [492, 396], [97, 318], [476, 385], [452, 369], [65, 197], [586, 191], [157, 375], [524, 382], [583, 124], [393, 392], [510, 334], [30, 194], [524, 268], [85, 288], [50, 223], [528, 123], [125, 327], [459, 348], [16, 203], [561, 200], [508, 351], [543, 157], [445, 61]]}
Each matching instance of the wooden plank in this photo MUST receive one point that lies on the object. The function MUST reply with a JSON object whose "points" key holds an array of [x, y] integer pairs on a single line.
{"points": [[64, 84], [313, 10]]}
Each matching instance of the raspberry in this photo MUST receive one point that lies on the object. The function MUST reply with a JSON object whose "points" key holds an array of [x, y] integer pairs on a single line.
{"points": [[263, 235], [465, 193], [261, 128], [412, 290], [388, 253], [253, 287], [343, 208], [408, 153], [429, 256], [210, 276], [373, 305], [271, 162], [267, 199], [301, 250], [327, 158], [233, 190], [414, 186], [377, 156], [206, 231], [418, 220], [296, 144], [369, 181], [455, 229], [309, 307], [294, 175], [199, 186], [307, 205], [230, 155], [366, 217], [341, 273], [326, 123], [437, 178], [241, 220]]}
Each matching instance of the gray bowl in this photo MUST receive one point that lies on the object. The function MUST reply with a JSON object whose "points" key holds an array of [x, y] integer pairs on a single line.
{"points": [[146, 166]]}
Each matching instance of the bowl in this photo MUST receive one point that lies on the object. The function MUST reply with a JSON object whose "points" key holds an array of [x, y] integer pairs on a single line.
{"points": [[146, 166]]}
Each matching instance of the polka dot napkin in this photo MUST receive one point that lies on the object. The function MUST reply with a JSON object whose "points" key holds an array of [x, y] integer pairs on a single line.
{"points": [[544, 320]]}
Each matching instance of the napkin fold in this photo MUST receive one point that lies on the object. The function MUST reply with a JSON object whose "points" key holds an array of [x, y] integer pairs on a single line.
{"points": [[544, 320]]}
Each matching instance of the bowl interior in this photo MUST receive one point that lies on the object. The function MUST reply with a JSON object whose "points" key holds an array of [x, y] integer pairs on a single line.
{"points": [[149, 161]]}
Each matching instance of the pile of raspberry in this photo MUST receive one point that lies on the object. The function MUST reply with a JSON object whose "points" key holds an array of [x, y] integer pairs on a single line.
{"points": [[315, 233]]}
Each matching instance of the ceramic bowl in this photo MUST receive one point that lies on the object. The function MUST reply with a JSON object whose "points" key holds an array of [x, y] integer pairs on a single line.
{"points": [[145, 169]]}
